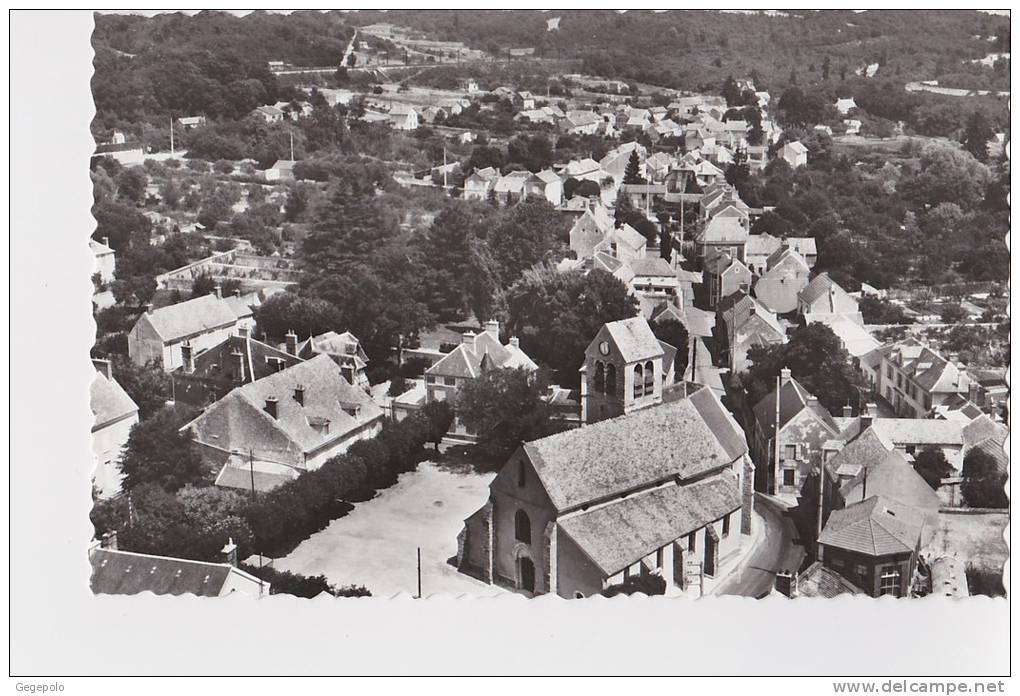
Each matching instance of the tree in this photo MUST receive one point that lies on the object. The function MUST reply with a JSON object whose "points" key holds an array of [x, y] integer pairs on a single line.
{"points": [[448, 258], [731, 92], [675, 334], [505, 406], [147, 385], [556, 315], [119, 223], [976, 136], [439, 415], [157, 452], [306, 586], [984, 481], [483, 156], [947, 174], [738, 171], [632, 175], [952, 313], [524, 235], [931, 464], [816, 359], [131, 183], [287, 311], [826, 67]]}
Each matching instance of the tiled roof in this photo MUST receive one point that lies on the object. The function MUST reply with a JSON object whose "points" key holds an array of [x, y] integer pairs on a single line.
{"points": [[620, 533], [192, 317], [622, 454], [739, 309], [896, 479], [928, 369], [983, 428], [634, 339], [919, 431], [877, 526], [793, 398], [724, 229], [465, 360], [123, 572], [326, 393], [721, 422], [629, 236], [655, 266], [867, 450], [786, 256], [238, 475], [819, 581], [821, 286], [109, 401]]}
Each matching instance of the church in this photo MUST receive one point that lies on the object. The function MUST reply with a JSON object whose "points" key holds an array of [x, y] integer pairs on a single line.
{"points": [[660, 484]]}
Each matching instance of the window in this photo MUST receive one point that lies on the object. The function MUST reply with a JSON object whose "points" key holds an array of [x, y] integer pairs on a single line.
{"points": [[889, 583], [522, 475], [861, 571], [611, 380], [726, 525], [790, 452], [578, 595], [837, 562], [450, 381], [658, 558], [789, 477], [429, 379], [522, 527], [649, 377], [888, 371], [600, 378], [639, 381], [911, 449], [690, 542]]}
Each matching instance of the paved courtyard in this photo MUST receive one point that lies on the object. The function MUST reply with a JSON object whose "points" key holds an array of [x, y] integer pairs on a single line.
{"points": [[375, 544]]}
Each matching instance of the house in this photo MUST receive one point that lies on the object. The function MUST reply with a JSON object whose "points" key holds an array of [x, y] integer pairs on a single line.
{"points": [[475, 354], [913, 378], [581, 122], [873, 543], [789, 432], [657, 166], [124, 152], [795, 154], [202, 322], [645, 493], [403, 117], [511, 188], [845, 105], [747, 323], [344, 348], [758, 249], [189, 122], [625, 370], [127, 573], [624, 243], [590, 230], [468, 85], [724, 276], [535, 116], [269, 114], [585, 169], [823, 297], [526, 100], [815, 581], [779, 287], [479, 182], [206, 376], [853, 126], [282, 170], [654, 282], [856, 340], [298, 417], [722, 235], [616, 160], [106, 260], [115, 414], [545, 184]]}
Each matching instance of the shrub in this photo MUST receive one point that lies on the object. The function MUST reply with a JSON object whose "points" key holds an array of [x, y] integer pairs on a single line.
{"points": [[285, 582], [647, 584]]}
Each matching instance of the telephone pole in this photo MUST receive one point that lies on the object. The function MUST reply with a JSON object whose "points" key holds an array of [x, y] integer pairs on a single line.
{"points": [[171, 135]]}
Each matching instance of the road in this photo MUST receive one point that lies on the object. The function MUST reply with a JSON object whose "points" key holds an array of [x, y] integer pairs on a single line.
{"points": [[778, 551]]}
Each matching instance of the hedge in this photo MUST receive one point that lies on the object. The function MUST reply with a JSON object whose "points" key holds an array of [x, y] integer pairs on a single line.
{"points": [[289, 513], [308, 586]]}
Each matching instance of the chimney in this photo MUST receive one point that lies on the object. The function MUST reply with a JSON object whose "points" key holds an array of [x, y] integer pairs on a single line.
{"points": [[237, 292], [104, 366], [847, 411], [515, 342], [954, 358], [299, 394], [786, 583], [238, 357], [106, 241], [784, 376], [218, 289], [492, 328], [243, 331], [229, 552], [868, 415], [291, 342], [468, 338], [148, 308], [109, 540], [270, 408], [187, 357]]}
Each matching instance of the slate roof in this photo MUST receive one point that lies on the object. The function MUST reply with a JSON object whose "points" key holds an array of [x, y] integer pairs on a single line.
{"points": [[820, 286], [868, 449], [99, 249], [123, 572], [738, 309], [237, 474], [983, 428], [195, 316], [626, 453], [109, 401], [620, 533], [819, 581], [465, 361], [761, 244], [326, 392], [928, 369], [787, 256], [724, 229], [896, 479], [919, 431], [877, 526], [629, 236], [720, 422], [634, 339], [797, 146], [793, 398]]}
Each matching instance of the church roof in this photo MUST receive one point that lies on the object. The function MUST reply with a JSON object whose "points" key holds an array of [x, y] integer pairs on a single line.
{"points": [[634, 339]]}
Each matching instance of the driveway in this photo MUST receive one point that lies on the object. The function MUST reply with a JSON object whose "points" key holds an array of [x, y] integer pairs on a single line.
{"points": [[376, 544], [778, 551]]}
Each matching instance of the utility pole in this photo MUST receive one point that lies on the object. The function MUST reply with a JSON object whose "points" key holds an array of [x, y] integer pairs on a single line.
{"points": [[419, 572], [444, 169], [171, 135], [775, 430], [251, 470], [291, 146]]}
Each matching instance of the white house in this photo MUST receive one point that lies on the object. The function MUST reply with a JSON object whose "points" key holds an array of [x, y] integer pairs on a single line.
{"points": [[106, 259], [794, 153], [115, 413]]}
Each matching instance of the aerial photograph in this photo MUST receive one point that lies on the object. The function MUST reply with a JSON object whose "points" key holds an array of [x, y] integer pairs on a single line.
{"points": [[581, 303]]}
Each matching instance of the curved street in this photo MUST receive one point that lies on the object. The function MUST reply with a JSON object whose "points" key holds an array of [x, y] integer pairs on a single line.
{"points": [[778, 551]]}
